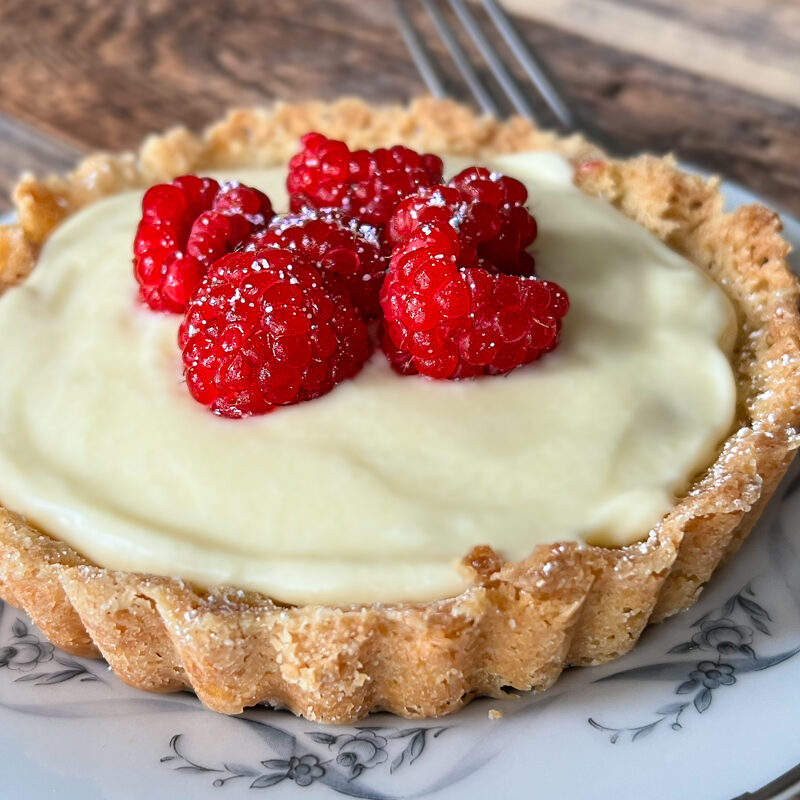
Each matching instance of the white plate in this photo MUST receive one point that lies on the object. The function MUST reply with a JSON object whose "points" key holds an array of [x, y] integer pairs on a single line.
{"points": [[706, 706]]}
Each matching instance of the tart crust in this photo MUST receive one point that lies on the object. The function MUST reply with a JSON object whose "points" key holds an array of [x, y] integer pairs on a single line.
{"points": [[520, 623]]}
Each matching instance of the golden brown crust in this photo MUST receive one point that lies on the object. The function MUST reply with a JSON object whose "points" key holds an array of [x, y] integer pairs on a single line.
{"points": [[519, 624]]}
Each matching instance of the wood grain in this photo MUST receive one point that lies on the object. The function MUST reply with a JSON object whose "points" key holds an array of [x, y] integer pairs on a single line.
{"points": [[91, 75], [752, 46]]}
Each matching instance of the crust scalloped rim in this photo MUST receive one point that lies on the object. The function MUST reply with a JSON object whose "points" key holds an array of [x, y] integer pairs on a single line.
{"points": [[519, 624]]}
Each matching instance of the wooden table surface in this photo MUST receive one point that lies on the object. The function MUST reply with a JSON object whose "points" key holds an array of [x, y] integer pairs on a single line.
{"points": [[718, 82]]}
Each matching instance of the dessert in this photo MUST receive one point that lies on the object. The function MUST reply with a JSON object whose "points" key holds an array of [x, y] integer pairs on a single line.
{"points": [[417, 651]]}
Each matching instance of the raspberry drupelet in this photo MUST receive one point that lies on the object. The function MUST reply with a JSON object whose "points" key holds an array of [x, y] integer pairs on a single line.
{"points": [[364, 184], [264, 330], [449, 321], [185, 226], [335, 244]]}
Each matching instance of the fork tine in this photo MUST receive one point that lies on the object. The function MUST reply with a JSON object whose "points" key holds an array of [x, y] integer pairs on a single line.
{"points": [[536, 72], [419, 53], [506, 80], [461, 59]]}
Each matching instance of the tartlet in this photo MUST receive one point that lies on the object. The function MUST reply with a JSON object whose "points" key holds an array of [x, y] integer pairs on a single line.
{"points": [[520, 623]]}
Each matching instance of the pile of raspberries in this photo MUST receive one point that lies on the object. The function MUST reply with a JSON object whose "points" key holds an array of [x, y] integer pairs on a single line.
{"points": [[376, 249]]}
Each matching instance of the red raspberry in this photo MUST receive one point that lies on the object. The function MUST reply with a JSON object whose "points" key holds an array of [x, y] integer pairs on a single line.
{"points": [[488, 211], [400, 360], [336, 244], [366, 185], [448, 321], [186, 225], [262, 331]]}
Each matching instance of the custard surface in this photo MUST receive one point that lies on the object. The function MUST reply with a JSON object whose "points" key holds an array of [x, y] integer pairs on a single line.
{"points": [[376, 491]]}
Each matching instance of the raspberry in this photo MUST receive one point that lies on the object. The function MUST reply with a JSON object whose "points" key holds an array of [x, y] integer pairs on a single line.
{"points": [[186, 225], [449, 321], [366, 185], [488, 211], [401, 361], [262, 331], [336, 244]]}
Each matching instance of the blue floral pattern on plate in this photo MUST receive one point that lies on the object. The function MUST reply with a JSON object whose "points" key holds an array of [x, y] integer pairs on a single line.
{"points": [[718, 635]]}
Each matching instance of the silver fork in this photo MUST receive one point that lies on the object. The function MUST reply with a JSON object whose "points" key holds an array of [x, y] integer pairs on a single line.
{"points": [[487, 99]]}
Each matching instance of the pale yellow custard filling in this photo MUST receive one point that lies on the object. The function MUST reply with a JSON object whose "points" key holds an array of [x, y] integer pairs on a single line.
{"points": [[376, 491]]}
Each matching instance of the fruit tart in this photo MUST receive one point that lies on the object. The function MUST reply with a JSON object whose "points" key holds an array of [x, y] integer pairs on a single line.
{"points": [[341, 409]]}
